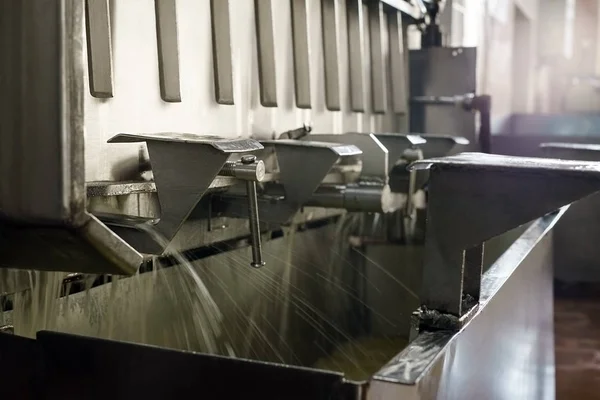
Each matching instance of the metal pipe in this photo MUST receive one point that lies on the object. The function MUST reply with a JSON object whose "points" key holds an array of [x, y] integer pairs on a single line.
{"points": [[257, 260], [358, 198], [252, 171]]}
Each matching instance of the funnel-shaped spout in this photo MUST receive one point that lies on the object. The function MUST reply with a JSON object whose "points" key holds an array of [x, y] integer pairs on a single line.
{"points": [[184, 165], [375, 156], [441, 145], [474, 197], [396, 144]]}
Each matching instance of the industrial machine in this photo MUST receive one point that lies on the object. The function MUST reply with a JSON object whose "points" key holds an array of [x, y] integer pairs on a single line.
{"points": [[215, 197]]}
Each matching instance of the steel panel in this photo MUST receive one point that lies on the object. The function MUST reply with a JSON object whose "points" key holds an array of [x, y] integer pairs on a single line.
{"points": [[443, 72], [138, 107]]}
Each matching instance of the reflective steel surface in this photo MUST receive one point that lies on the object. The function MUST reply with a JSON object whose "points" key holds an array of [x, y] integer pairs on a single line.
{"points": [[505, 352]]}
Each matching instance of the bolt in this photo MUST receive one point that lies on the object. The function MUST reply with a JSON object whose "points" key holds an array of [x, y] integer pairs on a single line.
{"points": [[253, 220], [257, 260], [248, 159]]}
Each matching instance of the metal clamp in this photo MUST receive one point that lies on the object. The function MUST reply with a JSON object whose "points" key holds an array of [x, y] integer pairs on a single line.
{"points": [[474, 197], [184, 166]]}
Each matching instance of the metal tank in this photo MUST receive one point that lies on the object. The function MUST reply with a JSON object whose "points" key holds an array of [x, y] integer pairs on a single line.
{"points": [[259, 145]]}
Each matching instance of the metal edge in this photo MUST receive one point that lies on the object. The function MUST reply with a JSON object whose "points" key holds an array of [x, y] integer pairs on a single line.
{"points": [[222, 144], [416, 360], [340, 148], [497, 162], [330, 38], [571, 146], [72, 108]]}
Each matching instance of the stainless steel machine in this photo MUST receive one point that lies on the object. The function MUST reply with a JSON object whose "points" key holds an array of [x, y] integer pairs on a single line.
{"points": [[209, 197]]}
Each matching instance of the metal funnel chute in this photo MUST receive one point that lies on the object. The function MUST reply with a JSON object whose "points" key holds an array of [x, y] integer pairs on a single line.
{"points": [[68, 238], [474, 197]]}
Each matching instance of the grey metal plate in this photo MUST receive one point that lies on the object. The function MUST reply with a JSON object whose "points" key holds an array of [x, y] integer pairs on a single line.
{"points": [[339, 148], [375, 160], [442, 72], [267, 62], [398, 58], [302, 53], [495, 162], [167, 39], [377, 55], [442, 145], [221, 46], [219, 143], [42, 180], [331, 56], [572, 146], [99, 48], [356, 56]]}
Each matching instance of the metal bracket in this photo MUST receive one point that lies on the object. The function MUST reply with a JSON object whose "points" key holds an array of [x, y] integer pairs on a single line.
{"points": [[474, 197], [184, 166]]}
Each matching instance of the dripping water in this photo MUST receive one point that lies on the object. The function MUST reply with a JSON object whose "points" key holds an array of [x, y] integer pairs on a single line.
{"points": [[219, 305]]}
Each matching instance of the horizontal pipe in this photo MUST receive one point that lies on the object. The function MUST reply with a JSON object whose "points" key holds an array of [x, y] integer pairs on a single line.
{"points": [[358, 198]]}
